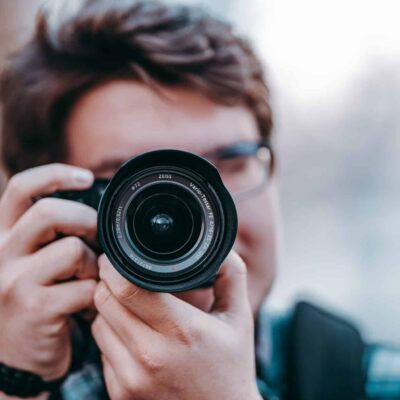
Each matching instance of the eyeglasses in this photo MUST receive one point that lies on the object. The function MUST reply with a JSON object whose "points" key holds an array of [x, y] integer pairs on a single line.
{"points": [[245, 167]]}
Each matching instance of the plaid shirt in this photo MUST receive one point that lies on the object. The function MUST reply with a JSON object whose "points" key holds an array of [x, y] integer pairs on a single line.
{"points": [[381, 363]]}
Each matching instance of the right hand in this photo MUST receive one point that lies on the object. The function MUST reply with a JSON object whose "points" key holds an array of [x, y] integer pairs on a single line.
{"points": [[44, 279]]}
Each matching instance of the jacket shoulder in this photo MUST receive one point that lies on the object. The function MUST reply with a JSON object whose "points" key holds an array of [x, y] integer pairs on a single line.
{"points": [[310, 353]]}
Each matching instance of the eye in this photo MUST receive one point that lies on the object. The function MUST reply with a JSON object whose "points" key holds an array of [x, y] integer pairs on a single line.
{"points": [[231, 165]]}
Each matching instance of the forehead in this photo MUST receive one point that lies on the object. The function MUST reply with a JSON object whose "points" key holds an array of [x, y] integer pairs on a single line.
{"points": [[122, 118]]}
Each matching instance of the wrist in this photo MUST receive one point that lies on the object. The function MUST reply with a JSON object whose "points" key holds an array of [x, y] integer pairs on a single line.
{"points": [[17, 383]]}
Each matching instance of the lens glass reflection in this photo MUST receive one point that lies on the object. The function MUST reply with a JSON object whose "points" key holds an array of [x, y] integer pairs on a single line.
{"points": [[164, 222]]}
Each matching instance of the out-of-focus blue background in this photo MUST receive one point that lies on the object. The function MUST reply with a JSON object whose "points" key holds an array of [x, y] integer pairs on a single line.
{"points": [[334, 73]]}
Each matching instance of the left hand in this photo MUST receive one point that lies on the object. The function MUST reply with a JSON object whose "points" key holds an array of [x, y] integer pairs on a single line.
{"points": [[156, 346]]}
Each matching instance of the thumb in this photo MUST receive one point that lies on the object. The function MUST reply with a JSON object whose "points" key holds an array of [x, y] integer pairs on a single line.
{"points": [[230, 287]]}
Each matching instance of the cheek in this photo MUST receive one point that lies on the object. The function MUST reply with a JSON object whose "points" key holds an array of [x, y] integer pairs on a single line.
{"points": [[258, 240], [258, 224]]}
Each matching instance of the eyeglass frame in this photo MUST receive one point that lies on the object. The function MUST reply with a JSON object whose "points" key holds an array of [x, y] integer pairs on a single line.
{"points": [[241, 149], [237, 149]]}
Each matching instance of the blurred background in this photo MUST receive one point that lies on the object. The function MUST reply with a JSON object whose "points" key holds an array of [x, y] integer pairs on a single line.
{"points": [[334, 73]]}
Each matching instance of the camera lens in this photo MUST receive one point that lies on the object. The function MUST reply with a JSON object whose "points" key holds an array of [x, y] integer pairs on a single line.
{"points": [[164, 222]]}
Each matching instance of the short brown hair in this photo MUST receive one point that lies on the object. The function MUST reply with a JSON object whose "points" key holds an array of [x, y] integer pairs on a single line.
{"points": [[142, 40]]}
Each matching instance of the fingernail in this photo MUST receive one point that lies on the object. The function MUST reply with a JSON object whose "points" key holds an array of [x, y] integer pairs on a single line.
{"points": [[83, 176]]}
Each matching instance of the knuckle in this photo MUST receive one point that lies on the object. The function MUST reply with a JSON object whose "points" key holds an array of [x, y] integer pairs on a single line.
{"points": [[188, 335], [241, 268], [129, 385], [131, 388], [15, 185], [102, 266], [101, 295], [9, 288], [76, 248], [95, 329], [150, 360], [126, 291], [58, 328], [58, 173], [102, 261], [44, 209], [36, 302], [90, 288], [135, 390]]}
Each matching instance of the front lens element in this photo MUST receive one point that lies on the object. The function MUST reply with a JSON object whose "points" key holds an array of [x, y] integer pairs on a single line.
{"points": [[164, 222]]}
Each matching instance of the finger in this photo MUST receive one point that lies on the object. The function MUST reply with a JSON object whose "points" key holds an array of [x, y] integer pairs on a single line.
{"points": [[46, 220], [63, 259], [230, 287], [26, 185], [113, 384], [125, 367], [131, 330], [71, 297], [158, 310]]}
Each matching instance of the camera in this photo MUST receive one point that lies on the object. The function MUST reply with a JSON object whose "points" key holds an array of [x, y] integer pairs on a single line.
{"points": [[165, 220]]}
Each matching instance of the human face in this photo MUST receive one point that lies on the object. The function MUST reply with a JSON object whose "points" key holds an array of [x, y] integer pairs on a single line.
{"points": [[119, 119]]}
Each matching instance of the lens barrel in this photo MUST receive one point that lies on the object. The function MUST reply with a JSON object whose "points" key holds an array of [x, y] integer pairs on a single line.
{"points": [[166, 221]]}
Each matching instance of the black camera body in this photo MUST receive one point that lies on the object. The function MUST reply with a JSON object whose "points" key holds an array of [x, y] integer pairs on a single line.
{"points": [[165, 220]]}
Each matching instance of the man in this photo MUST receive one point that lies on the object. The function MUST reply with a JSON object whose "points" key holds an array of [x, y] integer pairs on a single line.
{"points": [[88, 92]]}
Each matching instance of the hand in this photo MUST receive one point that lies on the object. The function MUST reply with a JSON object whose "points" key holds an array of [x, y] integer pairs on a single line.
{"points": [[156, 346], [37, 292]]}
